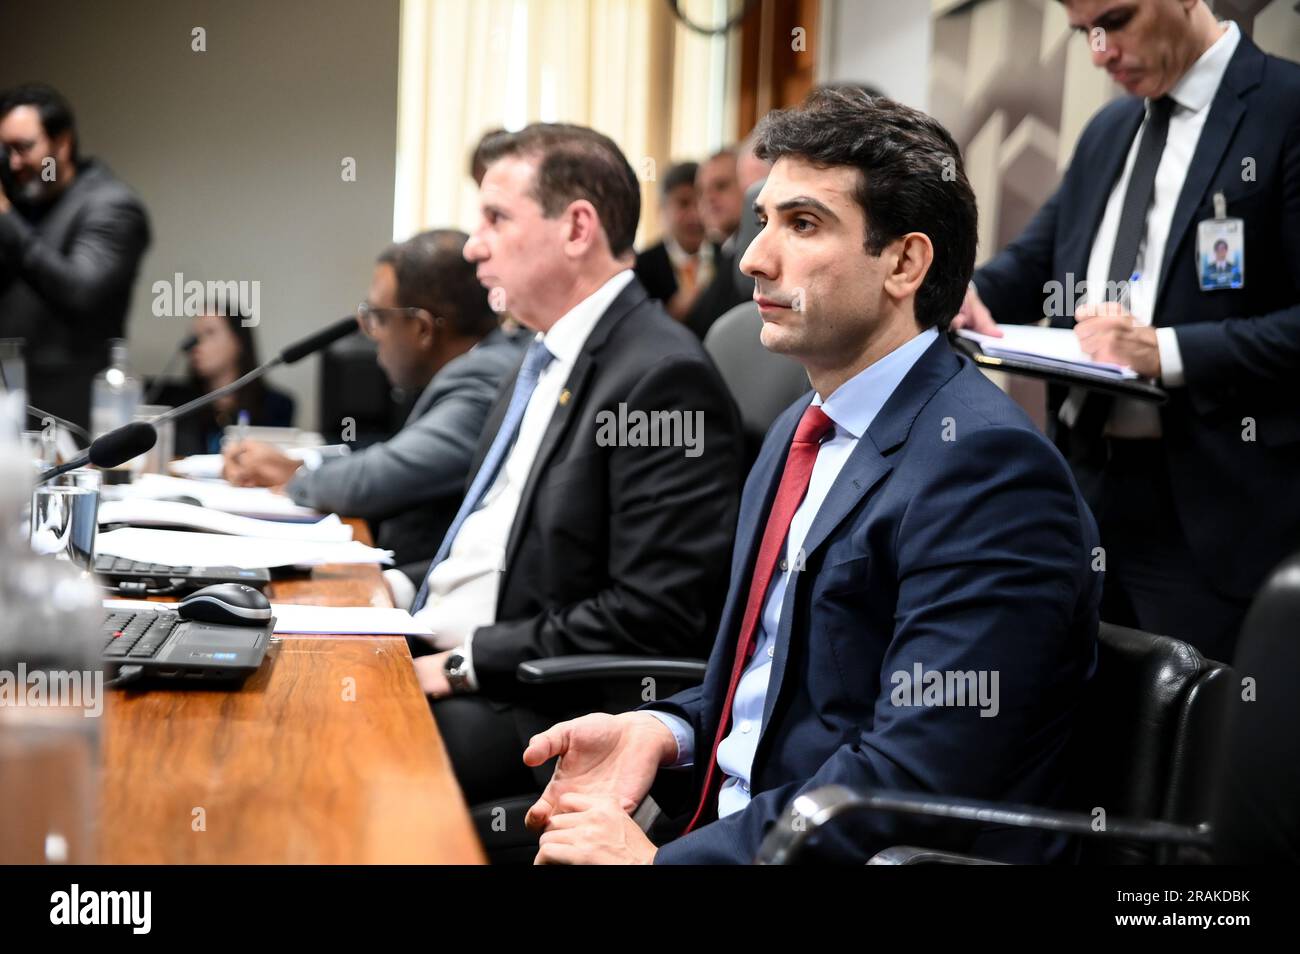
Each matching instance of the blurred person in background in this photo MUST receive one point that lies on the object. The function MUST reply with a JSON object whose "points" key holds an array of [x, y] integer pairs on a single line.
{"points": [[437, 337], [71, 239], [721, 201], [674, 269], [225, 351]]}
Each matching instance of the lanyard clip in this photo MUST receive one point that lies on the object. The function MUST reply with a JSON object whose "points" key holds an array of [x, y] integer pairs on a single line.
{"points": [[1220, 206]]}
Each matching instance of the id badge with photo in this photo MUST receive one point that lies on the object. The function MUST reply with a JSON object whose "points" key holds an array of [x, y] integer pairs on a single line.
{"points": [[1221, 250]]}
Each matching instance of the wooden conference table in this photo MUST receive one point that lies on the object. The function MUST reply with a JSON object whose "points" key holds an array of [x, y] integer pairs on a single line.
{"points": [[327, 755]]}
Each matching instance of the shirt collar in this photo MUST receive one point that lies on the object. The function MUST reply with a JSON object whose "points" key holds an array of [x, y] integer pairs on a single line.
{"points": [[1195, 91], [676, 254], [856, 402], [567, 336]]}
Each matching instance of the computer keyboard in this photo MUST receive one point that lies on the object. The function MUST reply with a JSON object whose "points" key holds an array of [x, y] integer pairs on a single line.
{"points": [[137, 577], [112, 564], [136, 634]]}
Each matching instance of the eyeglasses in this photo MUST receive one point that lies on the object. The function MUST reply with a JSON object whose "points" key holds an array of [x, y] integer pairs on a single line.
{"points": [[370, 319]]}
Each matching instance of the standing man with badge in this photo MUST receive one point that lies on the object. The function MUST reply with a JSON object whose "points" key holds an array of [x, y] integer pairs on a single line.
{"points": [[1196, 498]]}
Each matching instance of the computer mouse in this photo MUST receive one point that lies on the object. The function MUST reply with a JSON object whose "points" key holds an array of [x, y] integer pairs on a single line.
{"points": [[231, 603]]}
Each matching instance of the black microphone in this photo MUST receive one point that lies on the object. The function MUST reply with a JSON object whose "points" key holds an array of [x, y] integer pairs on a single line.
{"points": [[320, 340], [314, 342], [112, 450]]}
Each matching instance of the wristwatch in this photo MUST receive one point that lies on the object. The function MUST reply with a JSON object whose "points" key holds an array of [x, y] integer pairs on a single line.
{"points": [[457, 673]]}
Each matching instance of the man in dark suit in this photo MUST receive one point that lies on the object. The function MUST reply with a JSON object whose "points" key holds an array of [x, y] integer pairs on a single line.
{"points": [[577, 534], [674, 269], [721, 200], [436, 336], [911, 602], [71, 240], [1195, 499]]}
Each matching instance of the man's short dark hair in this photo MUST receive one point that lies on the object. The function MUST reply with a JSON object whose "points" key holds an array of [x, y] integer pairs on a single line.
{"points": [[576, 163], [912, 180], [679, 174], [54, 109], [477, 164], [432, 274]]}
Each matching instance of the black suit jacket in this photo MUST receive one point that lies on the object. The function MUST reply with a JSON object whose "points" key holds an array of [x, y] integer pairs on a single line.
{"points": [[618, 549], [654, 270], [1232, 434], [65, 284], [719, 296]]}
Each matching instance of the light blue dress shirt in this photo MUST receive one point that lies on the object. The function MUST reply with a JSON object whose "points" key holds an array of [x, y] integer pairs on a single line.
{"points": [[852, 407]]}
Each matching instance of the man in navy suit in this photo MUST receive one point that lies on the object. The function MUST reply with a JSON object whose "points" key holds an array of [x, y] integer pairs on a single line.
{"points": [[912, 601], [1195, 499]]}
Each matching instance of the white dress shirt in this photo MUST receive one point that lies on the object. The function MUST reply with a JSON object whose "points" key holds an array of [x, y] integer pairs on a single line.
{"points": [[851, 407], [1192, 96], [463, 587]]}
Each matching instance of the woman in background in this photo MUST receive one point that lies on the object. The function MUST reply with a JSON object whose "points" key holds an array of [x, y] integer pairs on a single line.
{"points": [[225, 351]]}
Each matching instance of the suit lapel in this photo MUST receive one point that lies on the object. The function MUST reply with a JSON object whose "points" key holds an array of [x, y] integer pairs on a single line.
{"points": [[1226, 112], [567, 410], [864, 469]]}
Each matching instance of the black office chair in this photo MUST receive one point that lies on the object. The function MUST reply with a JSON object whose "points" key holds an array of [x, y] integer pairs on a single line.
{"points": [[762, 383], [354, 389], [1257, 817], [613, 684], [1147, 748]]}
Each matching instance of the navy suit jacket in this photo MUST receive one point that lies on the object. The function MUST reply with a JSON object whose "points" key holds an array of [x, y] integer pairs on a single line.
{"points": [[954, 538], [1232, 434]]}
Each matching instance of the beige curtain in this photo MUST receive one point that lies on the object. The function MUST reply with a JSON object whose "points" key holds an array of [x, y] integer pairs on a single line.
{"points": [[624, 67]]}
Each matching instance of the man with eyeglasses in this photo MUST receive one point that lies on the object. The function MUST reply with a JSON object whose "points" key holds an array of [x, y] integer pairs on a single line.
{"points": [[71, 239], [437, 336]]}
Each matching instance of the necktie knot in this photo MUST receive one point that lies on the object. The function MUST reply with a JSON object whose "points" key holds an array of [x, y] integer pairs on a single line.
{"points": [[813, 426], [536, 360]]}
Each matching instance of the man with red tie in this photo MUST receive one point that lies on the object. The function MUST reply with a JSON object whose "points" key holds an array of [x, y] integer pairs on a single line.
{"points": [[913, 600]]}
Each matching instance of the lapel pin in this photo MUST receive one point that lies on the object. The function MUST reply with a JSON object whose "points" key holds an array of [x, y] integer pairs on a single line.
{"points": [[564, 397]]}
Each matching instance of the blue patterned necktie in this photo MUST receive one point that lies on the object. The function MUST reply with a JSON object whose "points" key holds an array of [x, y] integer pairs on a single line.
{"points": [[535, 362]]}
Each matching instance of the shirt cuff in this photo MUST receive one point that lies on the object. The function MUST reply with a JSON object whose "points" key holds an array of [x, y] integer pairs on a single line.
{"points": [[683, 733], [311, 458], [400, 585], [1171, 358], [467, 652]]}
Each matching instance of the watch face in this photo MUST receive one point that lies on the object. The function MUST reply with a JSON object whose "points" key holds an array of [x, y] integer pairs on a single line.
{"points": [[454, 661]]}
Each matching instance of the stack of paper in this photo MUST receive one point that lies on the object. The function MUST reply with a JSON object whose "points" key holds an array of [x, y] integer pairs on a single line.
{"points": [[183, 548], [1048, 347], [144, 512], [214, 495]]}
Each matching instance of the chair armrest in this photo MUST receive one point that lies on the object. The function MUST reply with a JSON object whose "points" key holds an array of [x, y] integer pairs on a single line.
{"points": [[909, 855], [814, 810], [596, 667]]}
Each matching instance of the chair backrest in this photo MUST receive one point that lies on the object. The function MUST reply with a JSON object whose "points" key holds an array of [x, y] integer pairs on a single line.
{"points": [[762, 384], [354, 388], [1257, 815], [1149, 740]]}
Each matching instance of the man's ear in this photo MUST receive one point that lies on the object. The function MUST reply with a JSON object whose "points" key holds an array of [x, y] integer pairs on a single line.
{"points": [[61, 147], [909, 258], [582, 228], [425, 330]]}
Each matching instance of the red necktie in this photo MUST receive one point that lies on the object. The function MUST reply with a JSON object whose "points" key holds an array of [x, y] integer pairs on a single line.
{"points": [[813, 428]]}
